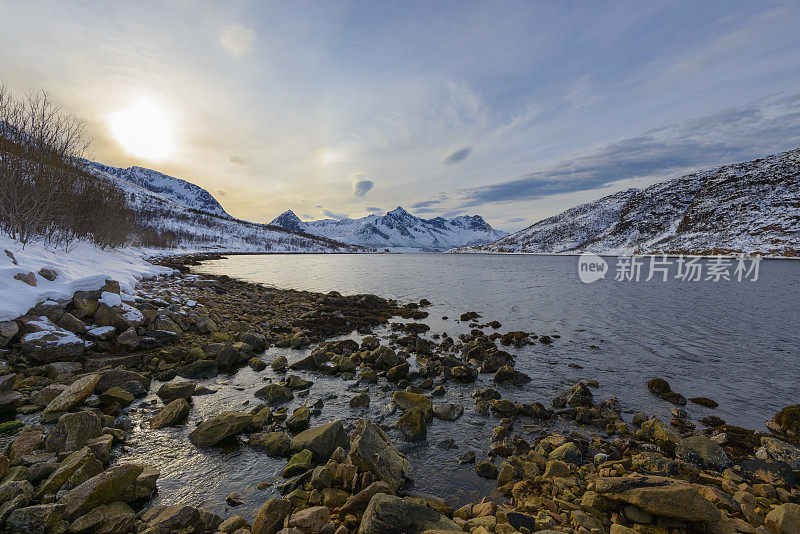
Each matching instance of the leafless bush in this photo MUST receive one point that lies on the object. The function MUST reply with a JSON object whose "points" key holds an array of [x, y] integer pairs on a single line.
{"points": [[44, 192]]}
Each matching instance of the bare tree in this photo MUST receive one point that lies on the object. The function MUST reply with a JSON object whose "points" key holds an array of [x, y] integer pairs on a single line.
{"points": [[44, 190]]}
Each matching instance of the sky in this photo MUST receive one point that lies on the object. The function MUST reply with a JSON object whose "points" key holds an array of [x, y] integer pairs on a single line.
{"points": [[511, 110]]}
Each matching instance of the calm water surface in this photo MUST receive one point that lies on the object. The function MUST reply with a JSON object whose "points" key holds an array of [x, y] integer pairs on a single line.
{"points": [[736, 342]]}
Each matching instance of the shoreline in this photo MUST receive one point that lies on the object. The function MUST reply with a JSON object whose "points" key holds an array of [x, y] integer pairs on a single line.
{"points": [[570, 482]]}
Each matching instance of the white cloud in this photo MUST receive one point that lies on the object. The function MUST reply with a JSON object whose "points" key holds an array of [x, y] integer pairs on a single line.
{"points": [[237, 40]]}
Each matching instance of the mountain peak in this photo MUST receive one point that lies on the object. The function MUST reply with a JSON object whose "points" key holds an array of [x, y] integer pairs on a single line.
{"points": [[399, 212], [288, 220]]}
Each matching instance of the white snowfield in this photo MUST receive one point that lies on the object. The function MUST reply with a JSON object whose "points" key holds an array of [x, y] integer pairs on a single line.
{"points": [[84, 268]]}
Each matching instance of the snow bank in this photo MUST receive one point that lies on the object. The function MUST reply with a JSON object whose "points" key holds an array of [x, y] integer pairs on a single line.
{"points": [[85, 267]]}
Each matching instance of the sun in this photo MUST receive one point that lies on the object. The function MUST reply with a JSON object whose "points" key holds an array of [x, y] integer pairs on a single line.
{"points": [[144, 130]]}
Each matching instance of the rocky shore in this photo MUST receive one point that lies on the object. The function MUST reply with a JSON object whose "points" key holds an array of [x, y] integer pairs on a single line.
{"points": [[76, 373]]}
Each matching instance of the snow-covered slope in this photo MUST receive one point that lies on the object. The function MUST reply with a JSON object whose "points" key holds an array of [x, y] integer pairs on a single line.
{"points": [[83, 268], [179, 191], [397, 230], [170, 220], [743, 207]]}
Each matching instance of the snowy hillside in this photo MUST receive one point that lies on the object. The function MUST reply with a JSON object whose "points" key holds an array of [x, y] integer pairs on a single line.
{"points": [[397, 230], [179, 191], [171, 220], [744, 207]]}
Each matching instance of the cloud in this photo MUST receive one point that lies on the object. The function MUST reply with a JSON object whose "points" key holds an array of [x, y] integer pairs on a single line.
{"points": [[425, 204], [730, 135], [373, 209], [457, 156], [237, 40], [334, 215], [361, 186], [516, 220], [236, 160]]}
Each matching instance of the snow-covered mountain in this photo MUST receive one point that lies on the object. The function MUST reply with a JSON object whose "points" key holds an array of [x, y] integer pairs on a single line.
{"points": [[743, 207], [179, 191], [397, 230], [175, 213]]}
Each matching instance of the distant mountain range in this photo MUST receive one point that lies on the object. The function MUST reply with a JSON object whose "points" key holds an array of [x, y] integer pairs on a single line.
{"points": [[743, 207], [397, 230], [175, 213]]}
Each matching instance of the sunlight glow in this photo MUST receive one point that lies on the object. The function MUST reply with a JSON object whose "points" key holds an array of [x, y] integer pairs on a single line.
{"points": [[144, 130], [332, 156]]}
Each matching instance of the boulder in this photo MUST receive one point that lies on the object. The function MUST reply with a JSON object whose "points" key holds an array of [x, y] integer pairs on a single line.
{"points": [[66, 469], [372, 451], [128, 339], [271, 516], [182, 518], [114, 518], [279, 363], [406, 400], [649, 463], [321, 440], [388, 514], [107, 487], [73, 431], [9, 400], [28, 278], [299, 419], [26, 442], [775, 449], [464, 374], [72, 324], [173, 413], [578, 395], [116, 395], [119, 377], [298, 464], [257, 364], [659, 496], [170, 391], [486, 469], [219, 427], [275, 394], [39, 519], [53, 345], [275, 444], [199, 369], [359, 400], [412, 425], [310, 520], [788, 420], [75, 394], [8, 329], [297, 382], [702, 452], [385, 358], [448, 411], [568, 452], [358, 503], [784, 519]]}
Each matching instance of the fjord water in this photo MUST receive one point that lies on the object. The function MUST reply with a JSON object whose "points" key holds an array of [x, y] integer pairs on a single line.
{"points": [[735, 342]]}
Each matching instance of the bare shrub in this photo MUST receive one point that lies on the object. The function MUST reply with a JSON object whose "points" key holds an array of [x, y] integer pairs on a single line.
{"points": [[44, 191]]}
